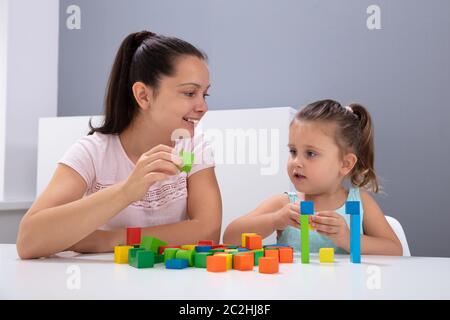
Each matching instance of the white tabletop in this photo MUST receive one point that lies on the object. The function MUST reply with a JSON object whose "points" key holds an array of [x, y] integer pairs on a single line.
{"points": [[377, 277]]}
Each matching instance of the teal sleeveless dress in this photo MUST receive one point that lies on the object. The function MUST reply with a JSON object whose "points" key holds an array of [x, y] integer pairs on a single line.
{"points": [[291, 236]]}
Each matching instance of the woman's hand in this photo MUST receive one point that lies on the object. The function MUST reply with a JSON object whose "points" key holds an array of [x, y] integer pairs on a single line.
{"points": [[333, 226], [288, 215], [155, 165]]}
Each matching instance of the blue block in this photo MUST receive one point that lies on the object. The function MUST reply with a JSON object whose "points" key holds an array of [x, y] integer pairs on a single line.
{"points": [[352, 207], [355, 238], [177, 264], [242, 250], [307, 207], [203, 248]]}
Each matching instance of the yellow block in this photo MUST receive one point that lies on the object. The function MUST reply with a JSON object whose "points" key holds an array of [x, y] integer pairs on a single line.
{"points": [[229, 259], [243, 238], [326, 255], [121, 254], [188, 247]]}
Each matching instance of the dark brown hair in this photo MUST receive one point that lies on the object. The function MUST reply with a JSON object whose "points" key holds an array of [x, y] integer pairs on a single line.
{"points": [[143, 56], [354, 133]]}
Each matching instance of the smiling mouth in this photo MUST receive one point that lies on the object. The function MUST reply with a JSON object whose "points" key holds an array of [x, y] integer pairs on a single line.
{"points": [[191, 120]]}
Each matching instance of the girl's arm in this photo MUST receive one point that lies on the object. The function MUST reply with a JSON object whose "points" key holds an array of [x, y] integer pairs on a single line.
{"points": [[271, 215], [378, 238]]}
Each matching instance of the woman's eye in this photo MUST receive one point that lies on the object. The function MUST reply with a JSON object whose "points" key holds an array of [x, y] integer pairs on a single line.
{"points": [[292, 152], [189, 94], [205, 95]]}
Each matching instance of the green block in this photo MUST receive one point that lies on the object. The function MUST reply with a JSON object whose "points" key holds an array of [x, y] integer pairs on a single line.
{"points": [[170, 253], [186, 255], [188, 160], [200, 259], [256, 255], [159, 258], [152, 244], [232, 247], [141, 258], [217, 250], [304, 222]]}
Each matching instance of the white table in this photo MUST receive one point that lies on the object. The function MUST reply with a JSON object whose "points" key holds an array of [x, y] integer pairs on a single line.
{"points": [[100, 278]]}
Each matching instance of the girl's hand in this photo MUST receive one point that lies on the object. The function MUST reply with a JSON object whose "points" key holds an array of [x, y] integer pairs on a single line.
{"points": [[288, 215], [155, 165], [333, 226]]}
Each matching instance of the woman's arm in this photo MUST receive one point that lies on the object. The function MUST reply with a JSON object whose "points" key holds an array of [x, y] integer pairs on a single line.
{"points": [[60, 217], [204, 209], [263, 220], [378, 238]]}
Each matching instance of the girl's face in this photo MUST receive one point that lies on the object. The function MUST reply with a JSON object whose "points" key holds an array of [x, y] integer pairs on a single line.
{"points": [[314, 164], [181, 99]]}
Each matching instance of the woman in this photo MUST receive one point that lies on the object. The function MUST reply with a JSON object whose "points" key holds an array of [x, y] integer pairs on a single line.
{"points": [[126, 173]]}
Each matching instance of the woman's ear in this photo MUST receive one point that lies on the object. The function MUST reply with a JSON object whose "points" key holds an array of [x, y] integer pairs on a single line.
{"points": [[142, 94], [348, 163]]}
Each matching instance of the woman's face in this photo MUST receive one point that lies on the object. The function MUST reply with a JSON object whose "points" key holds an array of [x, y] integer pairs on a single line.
{"points": [[181, 99]]}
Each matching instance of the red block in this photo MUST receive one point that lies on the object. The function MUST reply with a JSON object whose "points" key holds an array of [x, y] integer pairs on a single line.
{"points": [[205, 243], [161, 249], [133, 236]]}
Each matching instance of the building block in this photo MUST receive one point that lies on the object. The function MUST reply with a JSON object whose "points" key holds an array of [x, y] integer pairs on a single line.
{"points": [[326, 255], [217, 250], [200, 259], [187, 255], [253, 242], [159, 258], [306, 209], [121, 254], [276, 245], [162, 248], [188, 246], [205, 243], [203, 248], [286, 255], [188, 159], [232, 251], [256, 255], [133, 236], [152, 244], [243, 262], [216, 263], [141, 258], [177, 264], [272, 253], [353, 209], [218, 246], [244, 238], [243, 249], [229, 258], [231, 247], [268, 265], [170, 253]]}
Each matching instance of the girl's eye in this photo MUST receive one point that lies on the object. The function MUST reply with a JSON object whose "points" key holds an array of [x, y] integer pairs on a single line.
{"points": [[292, 152], [310, 154]]}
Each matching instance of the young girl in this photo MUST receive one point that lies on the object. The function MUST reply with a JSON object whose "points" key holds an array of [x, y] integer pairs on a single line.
{"points": [[328, 144], [126, 173]]}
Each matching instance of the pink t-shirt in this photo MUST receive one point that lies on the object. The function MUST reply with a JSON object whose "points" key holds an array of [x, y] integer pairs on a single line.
{"points": [[101, 160]]}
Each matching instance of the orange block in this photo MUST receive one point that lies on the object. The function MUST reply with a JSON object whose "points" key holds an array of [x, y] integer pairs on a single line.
{"points": [[286, 255], [243, 262], [253, 242], [272, 253], [216, 263], [268, 265]]}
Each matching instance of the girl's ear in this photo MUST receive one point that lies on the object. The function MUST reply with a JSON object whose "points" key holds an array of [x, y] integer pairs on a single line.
{"points": [[142, 94], [348, 163]]}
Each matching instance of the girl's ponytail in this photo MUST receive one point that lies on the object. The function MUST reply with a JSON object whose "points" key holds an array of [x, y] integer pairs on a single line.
{"points": [[363, 175]]}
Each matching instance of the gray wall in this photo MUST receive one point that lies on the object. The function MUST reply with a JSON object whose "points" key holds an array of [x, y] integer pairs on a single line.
{"points": [[277, 53]]}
